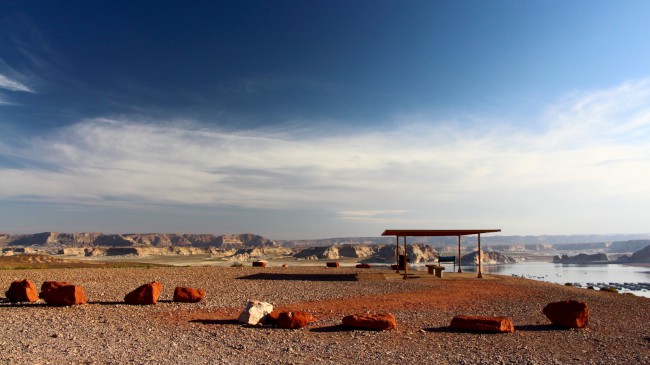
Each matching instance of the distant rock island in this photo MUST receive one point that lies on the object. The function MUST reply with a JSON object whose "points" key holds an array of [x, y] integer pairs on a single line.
{"points": [[581, 259]]}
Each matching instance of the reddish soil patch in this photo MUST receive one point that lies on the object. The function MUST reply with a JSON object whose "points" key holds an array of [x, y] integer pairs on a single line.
{"points": [[449, 295]]}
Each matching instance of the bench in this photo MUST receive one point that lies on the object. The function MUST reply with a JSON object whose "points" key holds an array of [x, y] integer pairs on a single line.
{"points": [[435, 270], [451, 259]]}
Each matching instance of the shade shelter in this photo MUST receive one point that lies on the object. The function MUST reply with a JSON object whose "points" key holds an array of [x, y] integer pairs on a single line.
{"points": [[436, 233]]}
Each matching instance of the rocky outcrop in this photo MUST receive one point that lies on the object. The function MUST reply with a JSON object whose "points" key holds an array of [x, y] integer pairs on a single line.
{"points": [[144, 295], [487, 258], [569, 313], [581, 259], [482, 324], [22, 291], [641, 256], [188, 295], [379, 321], [255, 312]]}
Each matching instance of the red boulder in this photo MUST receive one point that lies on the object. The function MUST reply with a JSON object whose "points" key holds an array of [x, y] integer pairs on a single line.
{"points": [[272, 318], [49, 286], [188, 295], [259, 264], [483, 324], [333, 264], [22, 291], [379, 321], [145, 294], [294, 320], [569, 313], [363, 266], [65, 295]]}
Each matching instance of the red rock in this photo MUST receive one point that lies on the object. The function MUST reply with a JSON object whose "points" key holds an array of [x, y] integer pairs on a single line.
{"points": [[285, 265], [188, 295], [363, 266], [294, 320], [379, 321], [49, 286], [483, 324], [569, 313], [259, 264], [65, 295], [22, 291], [333, 264], [145, 294], [272, 318]]}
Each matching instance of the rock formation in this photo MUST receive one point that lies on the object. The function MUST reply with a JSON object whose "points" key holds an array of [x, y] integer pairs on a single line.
{"points": [[483, 324], [65, 295], [255, 312], [379, 321], [188, 295], [487, 258], [294, 320], [581, 259], [569, 313], [144, 295], [641, 256], [22, 291]]}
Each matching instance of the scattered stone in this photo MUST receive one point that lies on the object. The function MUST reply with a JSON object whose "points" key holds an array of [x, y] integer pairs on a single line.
{"points": [[333, 264], [379, 321], [568, 313], [65, 295], [22, 291], [145, 294], [255, 312], [259, 264], [483, 324], [363, 266], [188, 295], [294, 320], [285, 265]]}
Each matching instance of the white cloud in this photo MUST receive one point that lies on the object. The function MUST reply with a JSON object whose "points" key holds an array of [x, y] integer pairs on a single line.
{"points": [[585, 164], [13, 85]]}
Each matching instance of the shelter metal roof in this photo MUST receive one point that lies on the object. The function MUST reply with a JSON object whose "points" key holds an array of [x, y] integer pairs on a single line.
{"points": [[435, 232]]}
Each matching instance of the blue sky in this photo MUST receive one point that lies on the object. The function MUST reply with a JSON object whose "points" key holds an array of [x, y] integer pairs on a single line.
{"points": [[306, 119]]}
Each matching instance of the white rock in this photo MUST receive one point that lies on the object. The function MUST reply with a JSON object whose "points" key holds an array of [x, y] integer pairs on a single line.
{"points": [[254, 312]]}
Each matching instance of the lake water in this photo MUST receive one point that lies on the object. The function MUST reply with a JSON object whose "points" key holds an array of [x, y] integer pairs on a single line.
{"points": [[574, 273]]}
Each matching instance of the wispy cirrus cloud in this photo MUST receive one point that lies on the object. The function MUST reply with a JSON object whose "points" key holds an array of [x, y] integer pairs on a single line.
{"points": [[13, 85], [584, 166]]}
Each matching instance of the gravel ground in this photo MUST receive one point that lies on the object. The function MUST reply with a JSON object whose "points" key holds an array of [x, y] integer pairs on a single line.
{"points": [[105, 331]]}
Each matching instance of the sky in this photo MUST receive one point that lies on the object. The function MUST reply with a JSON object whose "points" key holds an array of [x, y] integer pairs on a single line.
{"points": [[317, 119]]}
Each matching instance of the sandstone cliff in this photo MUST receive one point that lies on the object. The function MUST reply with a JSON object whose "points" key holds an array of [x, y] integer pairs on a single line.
{"points": [[69, 240], [487, 258]]}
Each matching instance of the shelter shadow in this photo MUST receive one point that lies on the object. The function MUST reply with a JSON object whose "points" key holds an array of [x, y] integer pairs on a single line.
{"points": [[302, 277]]}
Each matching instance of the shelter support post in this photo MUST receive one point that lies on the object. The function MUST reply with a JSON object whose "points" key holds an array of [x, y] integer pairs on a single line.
{"points": [[459, 270], [480, 276], [397, 254], [406, 264]]}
